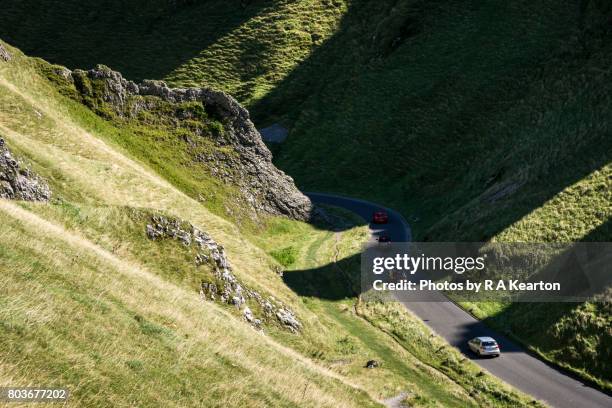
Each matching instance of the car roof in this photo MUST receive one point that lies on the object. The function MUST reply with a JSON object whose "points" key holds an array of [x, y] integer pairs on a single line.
{"points": [[485, 338]]}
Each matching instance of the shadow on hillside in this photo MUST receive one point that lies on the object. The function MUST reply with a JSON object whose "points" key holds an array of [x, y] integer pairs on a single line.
{"points": [[323, 218], [142, 39], [533, 323], [474, 175], [536, 322], [426, 160], [333, 281], [603, 233]]}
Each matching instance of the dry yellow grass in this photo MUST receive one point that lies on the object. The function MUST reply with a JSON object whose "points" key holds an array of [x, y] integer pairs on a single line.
{"points": [[95, 295], [82, 306], [195, 325], [41, 129]]}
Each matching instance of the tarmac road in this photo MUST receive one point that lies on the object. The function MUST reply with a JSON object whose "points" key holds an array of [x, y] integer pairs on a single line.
{"points": [[515, 366]]}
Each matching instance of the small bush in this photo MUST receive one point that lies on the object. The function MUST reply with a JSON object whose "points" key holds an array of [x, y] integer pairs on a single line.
{"points": [[286, 256]]}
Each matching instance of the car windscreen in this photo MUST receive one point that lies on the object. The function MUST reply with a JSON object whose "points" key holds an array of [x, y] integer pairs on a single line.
{"points": [[489, 343]]}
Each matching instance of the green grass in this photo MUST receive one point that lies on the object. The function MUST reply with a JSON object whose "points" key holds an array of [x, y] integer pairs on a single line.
{"points": [[489, 121], [492, 119], [576, 336], [76, 316], [285, 256], [255, 44], [477, 120], [352, 334], [413, 335], [90, 303], [479, 109]]}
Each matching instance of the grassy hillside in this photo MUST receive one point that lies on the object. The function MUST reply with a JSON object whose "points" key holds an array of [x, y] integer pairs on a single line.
{"points": [[68, 317], [83, 310], [410, 355], [476, 119], [466, 116], [241, 46], [89, 302]]}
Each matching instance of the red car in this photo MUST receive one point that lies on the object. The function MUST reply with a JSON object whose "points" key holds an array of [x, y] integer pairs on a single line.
{"points": [[380, 217]]}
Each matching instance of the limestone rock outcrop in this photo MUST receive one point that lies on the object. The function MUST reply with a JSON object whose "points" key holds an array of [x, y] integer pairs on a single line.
{"points": [[249, 165], [18, 183]]}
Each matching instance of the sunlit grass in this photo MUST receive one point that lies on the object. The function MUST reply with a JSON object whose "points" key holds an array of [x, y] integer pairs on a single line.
{"points": [[77, 316], [355, 333], [90, 303]]}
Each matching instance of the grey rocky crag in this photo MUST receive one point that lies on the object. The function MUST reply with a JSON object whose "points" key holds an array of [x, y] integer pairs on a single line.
{"points": [[4, 54], [249, 166], [224, 287], [18, 183]]}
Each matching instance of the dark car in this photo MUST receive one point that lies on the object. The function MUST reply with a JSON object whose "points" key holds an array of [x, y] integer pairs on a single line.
{"points": [[380, 217], [384, 239]]}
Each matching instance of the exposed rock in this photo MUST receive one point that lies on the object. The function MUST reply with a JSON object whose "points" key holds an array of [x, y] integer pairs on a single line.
{"points": [[4, 54], [264, 187], [17, 183], [225, 288], [287, 318], [248, 315]]}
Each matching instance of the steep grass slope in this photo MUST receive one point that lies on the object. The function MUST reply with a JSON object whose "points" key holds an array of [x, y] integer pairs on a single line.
{"points": [[91, 303], [85, 312], [477, 119], [241, 46], [324, 267], [466, 115], [68, 320]]}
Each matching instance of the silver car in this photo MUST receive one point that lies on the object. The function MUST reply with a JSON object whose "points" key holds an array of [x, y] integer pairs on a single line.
{"points": [[484, 346]]}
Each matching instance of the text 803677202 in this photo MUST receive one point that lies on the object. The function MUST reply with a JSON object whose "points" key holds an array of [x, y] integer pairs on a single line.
{"points": [[33, 394]]}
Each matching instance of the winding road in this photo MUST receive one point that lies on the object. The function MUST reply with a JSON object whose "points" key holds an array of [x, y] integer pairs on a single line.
{"points": [[515, 366]]}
